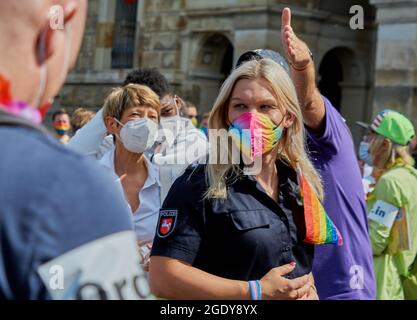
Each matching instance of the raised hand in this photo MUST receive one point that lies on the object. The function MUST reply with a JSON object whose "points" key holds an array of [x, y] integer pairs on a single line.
{"points": [[296, 50]]}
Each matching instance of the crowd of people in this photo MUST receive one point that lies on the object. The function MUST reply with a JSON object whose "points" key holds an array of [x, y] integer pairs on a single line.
{"points": [[145, 197]]}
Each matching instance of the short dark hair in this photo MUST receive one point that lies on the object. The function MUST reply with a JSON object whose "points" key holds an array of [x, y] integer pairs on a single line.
{"points": [[59, 112], [150, 77]]}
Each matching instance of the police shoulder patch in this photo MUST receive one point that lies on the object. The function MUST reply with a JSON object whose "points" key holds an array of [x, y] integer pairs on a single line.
{"points": [[166, 222]]}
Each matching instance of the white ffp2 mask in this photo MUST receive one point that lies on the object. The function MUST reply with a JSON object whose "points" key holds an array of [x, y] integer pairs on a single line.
{"points": [[138, 135]]}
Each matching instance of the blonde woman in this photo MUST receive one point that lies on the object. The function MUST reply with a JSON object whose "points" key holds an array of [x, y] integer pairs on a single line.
{"points": [[222, 234], [392, 206]]}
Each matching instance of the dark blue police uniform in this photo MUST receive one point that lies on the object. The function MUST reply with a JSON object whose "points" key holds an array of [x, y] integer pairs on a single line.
{"points": [[241, 237]]}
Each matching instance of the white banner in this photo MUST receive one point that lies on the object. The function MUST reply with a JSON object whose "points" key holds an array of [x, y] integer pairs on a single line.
{"points": [[107, 268]]}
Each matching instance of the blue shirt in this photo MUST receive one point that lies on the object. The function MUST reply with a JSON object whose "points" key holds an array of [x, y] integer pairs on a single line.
{"points": [[242, 237], [52, 202]]}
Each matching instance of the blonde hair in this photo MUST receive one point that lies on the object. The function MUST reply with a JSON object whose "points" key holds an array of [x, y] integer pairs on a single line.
{"points": [[123, 98], [293, 148], [80, 117], [392, 153]]}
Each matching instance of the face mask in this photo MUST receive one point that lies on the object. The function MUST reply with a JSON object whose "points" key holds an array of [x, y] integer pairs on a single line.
{"points": [[255, 133], [364, 154], [138, 135], [61, 129]]}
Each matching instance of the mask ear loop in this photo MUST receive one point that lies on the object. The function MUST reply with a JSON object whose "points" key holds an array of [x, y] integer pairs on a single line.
{"points": [[118, 122], [278, 125], [115, 134], [43, 71], [176, 105], [282, 120]]}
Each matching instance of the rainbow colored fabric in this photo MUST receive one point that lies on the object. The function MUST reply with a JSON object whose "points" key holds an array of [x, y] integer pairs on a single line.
{"points": [[255, 133], [61, 129], [319, 228], [19, 108]]}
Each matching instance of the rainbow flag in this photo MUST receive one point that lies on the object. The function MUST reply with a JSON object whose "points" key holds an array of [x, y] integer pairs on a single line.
{"points": [[319, 228]]}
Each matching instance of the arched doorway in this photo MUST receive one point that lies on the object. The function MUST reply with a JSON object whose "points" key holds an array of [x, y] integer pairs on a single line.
{"points": [[331, 75], [215, 57], [212, 64], [342, 80]]}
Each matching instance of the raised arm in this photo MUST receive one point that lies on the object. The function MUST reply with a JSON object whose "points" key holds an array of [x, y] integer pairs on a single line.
{"points": [[89, 139], [302, 74]]}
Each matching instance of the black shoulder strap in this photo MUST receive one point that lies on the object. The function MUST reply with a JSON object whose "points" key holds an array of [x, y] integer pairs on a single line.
{"points": [[11, 120]]}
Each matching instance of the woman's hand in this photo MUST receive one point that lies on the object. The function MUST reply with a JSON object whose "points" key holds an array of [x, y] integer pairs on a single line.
{"points": [[276, 287], [311, 295], [312, 292]]}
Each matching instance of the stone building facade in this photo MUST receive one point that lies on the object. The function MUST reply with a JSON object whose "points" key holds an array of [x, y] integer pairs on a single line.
{"points": [[196, 42]]}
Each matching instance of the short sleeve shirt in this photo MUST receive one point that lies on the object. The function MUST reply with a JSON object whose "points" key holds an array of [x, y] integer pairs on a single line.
{"points": [[241, 237], [344, 272]]}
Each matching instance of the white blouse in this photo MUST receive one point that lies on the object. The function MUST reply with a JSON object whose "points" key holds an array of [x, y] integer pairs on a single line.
{"points": [[145, 217]]}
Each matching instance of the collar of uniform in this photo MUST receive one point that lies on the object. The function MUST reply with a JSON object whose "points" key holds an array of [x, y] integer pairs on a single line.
{"points": [[288, 182], [153, 171]]}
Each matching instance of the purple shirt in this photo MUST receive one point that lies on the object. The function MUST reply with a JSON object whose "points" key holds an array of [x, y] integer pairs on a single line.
{"points": [[344, 272]]}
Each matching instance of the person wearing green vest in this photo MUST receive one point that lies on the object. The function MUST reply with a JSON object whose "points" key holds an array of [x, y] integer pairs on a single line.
{"points": [[392, 206]]}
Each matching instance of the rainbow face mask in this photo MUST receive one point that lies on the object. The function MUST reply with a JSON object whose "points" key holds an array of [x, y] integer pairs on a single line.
{"points": [[255, 134], [61, 129]]}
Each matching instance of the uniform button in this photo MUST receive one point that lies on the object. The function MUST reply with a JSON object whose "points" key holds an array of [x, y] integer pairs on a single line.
{"points": [[284, 219], [286, 248]]}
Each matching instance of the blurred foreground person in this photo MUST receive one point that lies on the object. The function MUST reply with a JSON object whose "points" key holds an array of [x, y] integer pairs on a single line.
{"points": [[65, 231], [80, 117], [392, 206], [62, 125]]}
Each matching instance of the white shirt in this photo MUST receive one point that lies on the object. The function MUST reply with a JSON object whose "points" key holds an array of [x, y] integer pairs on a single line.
{"points": [[145, 217], [176, 155], [92, 140]]}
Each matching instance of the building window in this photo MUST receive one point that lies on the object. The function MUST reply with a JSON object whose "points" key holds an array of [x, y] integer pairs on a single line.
{"points": [[124, 34]]}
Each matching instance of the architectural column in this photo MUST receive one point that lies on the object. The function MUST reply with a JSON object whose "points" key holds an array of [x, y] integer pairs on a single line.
{"points": [[104, 40], [396, 57]]}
